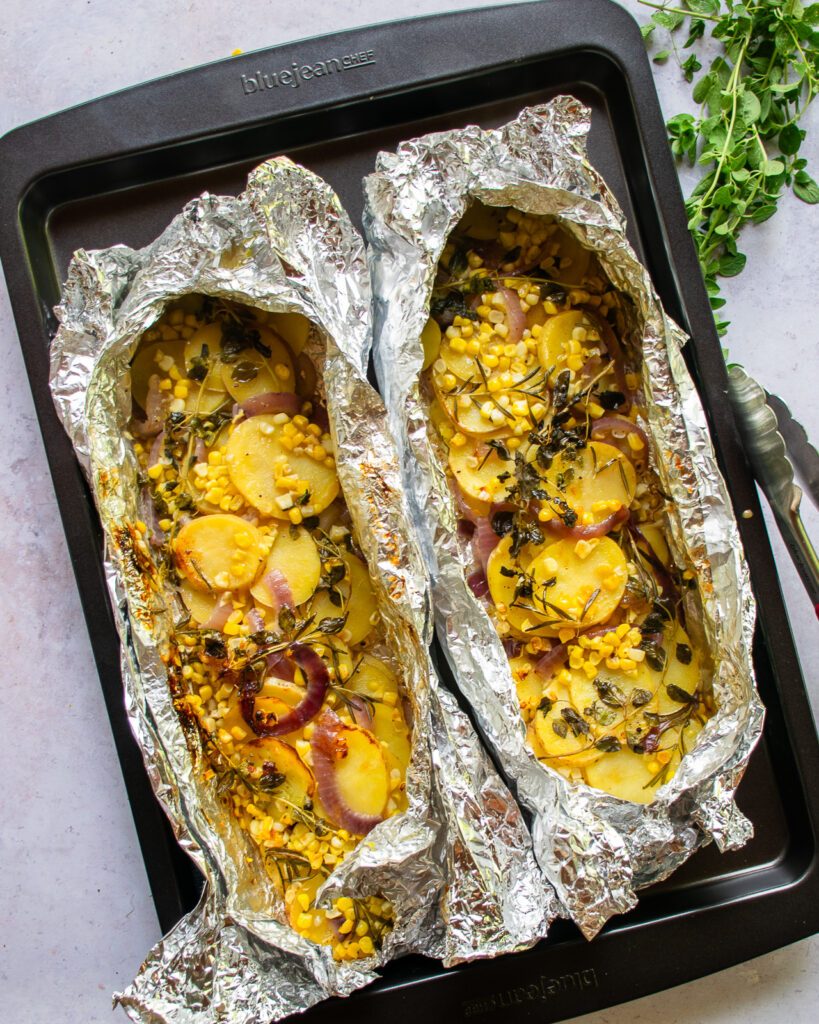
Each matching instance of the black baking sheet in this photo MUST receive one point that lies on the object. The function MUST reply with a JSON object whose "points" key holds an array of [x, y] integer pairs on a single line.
{"points": [[118, 169]]}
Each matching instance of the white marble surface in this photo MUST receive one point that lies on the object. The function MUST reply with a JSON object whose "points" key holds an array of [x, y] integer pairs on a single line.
{"points": [[75, 907]]}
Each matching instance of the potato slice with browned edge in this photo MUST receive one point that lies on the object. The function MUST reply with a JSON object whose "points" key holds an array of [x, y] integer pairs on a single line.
{"points": [[588, 582], [528, 684], [294, 554], [278, 768], [200, 603], [596, 480], [254, 449], [219, 552]]}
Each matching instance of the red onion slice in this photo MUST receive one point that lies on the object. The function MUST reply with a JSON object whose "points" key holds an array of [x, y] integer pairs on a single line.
{"points": [[156, 408], [255, 620], [614, 430], [557, 528], [219, 615], [280, 667], [478, 583], [515, 317], [556, 655], [361, 710], [318, 682], [279, 589], [325, 745], [271, 401], [484, 542]]}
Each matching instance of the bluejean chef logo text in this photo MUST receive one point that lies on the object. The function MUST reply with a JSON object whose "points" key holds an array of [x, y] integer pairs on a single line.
{"points": [[297, 74]]}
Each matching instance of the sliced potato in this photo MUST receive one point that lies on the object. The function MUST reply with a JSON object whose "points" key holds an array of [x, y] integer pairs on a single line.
{"points": [[592, 476], [233, 721], [205, 343], [293, 327], [200, 603], [623, 774], [560, 744], [430, 342], [556, 335], [267, 755], [585, 693], [252, 374], [476, 468], [361, 604], [373, 678], [146, 363], [587, 587], [481, 222], [573, 258], [461, 364], [218, 552], [654, 533], [306, 376], [502, 586], [528, 683], [294, 554], [682, 669], [361, 772], [253, 449], [468, 418]]}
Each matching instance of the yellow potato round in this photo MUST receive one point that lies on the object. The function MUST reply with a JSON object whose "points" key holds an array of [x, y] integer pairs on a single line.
{"points": [[200, 603], [146, 363], [253, 449], [430, 342], [556, 335], [595, 474], [524, 620], [567, 750], [306, 377], [677, 672], [205, 343], [361, 605], [584, 694], [373, 678], [480, 222], [461, 364], [587, 587], [623, 774], [573, 259], [361, 774], [479, 483], [292, 327], [467, 420], [256, 757], [253, 373], [294, 554], [219, 552], [528, 684]]}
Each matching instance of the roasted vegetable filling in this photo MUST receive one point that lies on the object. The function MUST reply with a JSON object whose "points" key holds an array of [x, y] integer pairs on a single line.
{"points": [[278, 656], [535, 406]]}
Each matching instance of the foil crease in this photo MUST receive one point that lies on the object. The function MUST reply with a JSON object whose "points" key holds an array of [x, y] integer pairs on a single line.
{"points": [[596, 850], [285, 245]]}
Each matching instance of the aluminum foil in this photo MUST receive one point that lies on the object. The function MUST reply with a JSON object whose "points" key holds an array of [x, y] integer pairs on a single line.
{"points": [[458, 864], [595, 849]]}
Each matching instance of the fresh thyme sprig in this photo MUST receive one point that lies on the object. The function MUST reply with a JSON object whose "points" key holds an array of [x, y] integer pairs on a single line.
{"points": [[746, 135]]}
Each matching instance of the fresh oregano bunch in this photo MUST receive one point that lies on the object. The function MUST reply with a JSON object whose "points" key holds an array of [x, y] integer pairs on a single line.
{"points": [[746, 135]]}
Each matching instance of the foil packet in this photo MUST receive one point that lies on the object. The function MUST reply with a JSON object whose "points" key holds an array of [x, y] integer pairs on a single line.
{"points": [[457, 865], [595, 849]]}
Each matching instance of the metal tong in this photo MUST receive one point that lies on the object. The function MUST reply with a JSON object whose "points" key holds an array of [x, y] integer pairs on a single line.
{"points": [[768, 454]]}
